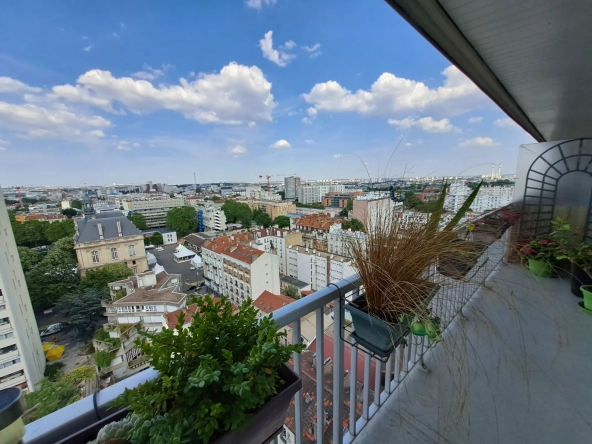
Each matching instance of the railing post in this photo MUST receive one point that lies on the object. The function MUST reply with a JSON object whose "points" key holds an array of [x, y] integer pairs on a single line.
{"points": [[320, 368], [296, 339], [338, 373]]}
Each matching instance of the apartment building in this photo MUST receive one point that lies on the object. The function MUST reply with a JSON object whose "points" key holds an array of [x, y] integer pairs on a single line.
{"points": [[488, 198], [339, 241], [22, 218], [335, 199], [317, 267], [273, 208], [371, 209], [308, 194], [108, 238], [22, 361], [237, 270], [275, 241], [258, 193], [154, 209], [210, 217], [292, 184], [315, 229]]}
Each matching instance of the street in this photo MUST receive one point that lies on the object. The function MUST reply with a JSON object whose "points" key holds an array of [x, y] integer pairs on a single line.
{"points": [[167, 260]]}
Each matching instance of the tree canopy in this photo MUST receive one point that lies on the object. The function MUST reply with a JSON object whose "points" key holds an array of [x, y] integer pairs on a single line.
{"points": [[70, 212], [262, 218], [183, 220], [354, 225], [292, 292], [59, 230], [29, 258], [238, 212], [138, 220], [99, 278], [76, 204], [35, 232], [282, 222], [82, 310], [156, 239], [318, 206], [350, 205]]}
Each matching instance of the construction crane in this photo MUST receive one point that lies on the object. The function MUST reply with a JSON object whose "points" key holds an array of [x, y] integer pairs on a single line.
{"points": [[275, 175]]}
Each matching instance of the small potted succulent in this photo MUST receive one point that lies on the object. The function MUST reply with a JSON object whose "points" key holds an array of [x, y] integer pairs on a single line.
{"points": [[221, 380]]}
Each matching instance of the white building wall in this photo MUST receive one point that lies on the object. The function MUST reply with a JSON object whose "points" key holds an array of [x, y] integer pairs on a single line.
{"points": [[314, 193], [488, 198], [24, 360]]}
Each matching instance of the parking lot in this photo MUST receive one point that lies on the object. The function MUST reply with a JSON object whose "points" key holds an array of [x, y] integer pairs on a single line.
{"points": [[166, 258]]}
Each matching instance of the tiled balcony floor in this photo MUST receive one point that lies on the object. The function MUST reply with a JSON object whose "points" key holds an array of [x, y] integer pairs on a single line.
{"points": [[517, 370]]}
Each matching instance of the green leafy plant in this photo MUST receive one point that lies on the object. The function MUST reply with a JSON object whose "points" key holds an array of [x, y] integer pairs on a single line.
{"points": [[103, 358], [212, 375], [553, 246]]}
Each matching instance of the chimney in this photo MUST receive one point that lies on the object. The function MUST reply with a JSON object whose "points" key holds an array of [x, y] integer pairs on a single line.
{"points": [[100, 227], [119, 228]]}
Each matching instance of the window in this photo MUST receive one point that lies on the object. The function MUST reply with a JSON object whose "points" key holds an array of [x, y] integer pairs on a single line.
{"points": [[2, 307], [95, 257], [149, 307], [6, 336], [9, 363], [135, 270], [114, 253], [132, 250]]}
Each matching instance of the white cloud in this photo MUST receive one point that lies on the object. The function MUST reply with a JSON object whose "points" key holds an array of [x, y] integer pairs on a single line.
{"points": [[80, 94], [306, 121], [84, 37], [391, 94], [9, 85], [280, 58], [2, 148], [88, 48], [238, 149], [123, 146], [408, 144], [478, 141], [4, 142], [315, 54], [312, 112], [290, 44], [237, 94], [506, 123], [427, 124], [136, 145], [309, 141], [475, 119], [338, 156], [150, 73], [280, 144], [312, 48], [257, 4], [115, 34]]}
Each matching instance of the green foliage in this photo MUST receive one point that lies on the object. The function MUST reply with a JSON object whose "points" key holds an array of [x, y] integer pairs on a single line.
{"points": [[80, 374], [354, 225], [411, 200], [156, 239], [99, 278], [138, 220], [463, 209], [51, 396], [29, 258], [103, 358], [83, 311], [58, 230], [11, 215], [350, 205], [103, 336], [76, 204], [54, 276], [282, 222], [53, 371], [317, 206], [292, 292], [29, 200], [214, 197], [212, 375], [281, 193], [183, 220], [35, 232], [70, 212], [238, 212], [262, 218], [10, 201]]}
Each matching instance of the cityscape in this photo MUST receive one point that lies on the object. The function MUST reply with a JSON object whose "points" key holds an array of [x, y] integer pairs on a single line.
{"points": [[423, 274]]}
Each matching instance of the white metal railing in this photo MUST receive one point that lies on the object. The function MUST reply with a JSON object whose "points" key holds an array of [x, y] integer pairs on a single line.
{"points": [[447, 304]]}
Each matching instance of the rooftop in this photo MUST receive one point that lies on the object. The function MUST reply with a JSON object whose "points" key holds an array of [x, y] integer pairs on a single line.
{"points": [[189, 310], [269, 302], [294, 282], [88, 228], [165, 288], [318, 253], [320, 221]]}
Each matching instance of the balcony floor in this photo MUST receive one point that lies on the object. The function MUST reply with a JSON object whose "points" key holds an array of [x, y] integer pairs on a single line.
{"points": [[518, 370]]}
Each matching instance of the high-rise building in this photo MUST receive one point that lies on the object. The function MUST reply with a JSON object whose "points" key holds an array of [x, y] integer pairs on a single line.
{"points": [[22, 361], [291, 184], [314, 193], [153, 209]]}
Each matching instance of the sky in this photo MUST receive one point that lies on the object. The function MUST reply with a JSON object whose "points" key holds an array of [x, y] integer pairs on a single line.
{"points": [[103, 92]]}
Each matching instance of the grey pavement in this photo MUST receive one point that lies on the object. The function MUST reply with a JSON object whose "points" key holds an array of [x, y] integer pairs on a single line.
{"points": [[517, 370], [167, 260]]}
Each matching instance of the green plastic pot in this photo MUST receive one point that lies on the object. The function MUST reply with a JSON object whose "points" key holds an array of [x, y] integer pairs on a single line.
{"points": [[587, 292], [540, 268], [418, 328]]}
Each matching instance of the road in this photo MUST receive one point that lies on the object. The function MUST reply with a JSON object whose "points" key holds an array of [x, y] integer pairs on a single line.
{"points": [[167, 260]]}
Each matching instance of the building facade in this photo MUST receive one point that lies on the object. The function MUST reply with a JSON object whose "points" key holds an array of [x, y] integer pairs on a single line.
{"points": [[291, 184], [154, 209], [372, 209], [488, 198], [22, 218], [314, 193], [339, 241], [108, 238], [22, 361], [341, 200], [273, 208], [317, 268]]}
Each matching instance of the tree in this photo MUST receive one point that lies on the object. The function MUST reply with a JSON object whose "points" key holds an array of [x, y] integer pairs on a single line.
{"points": [[35, 231], [411, 200], [281, 193], [156, 239], [292, 292], [317, 205], [350, 205], [11, 215], [282, 221], [58, 230], [214, 197], [83, 311], [76, 204], [29, 258], [238, 212], [262, 218], [183, 220], [29, 200], [354, 225], [70, 212], [10, 201], [343, 213], [138, 220], [99, 277]]}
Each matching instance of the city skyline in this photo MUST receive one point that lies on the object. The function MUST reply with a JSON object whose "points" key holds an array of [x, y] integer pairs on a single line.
{"points": [[114, 93]]}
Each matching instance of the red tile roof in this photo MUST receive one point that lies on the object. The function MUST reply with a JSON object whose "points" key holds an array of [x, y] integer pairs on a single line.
{"points": [[320, 221], [269, 302], [172, 318]]}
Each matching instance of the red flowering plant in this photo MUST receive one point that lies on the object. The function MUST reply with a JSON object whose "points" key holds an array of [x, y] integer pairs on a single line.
{"points": [[541, 249]]}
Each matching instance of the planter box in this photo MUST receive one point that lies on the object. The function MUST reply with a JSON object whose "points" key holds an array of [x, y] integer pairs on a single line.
{"points": [[456, 267], [486, 236], [266, 422]]}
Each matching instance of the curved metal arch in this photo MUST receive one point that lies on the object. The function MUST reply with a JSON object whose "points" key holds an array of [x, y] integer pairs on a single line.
{"points": [[541, 190]]}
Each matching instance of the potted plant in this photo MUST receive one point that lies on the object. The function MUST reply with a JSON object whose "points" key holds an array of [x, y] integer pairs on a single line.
{"points": [[221, 380], [581, 267], [396, 262], [541, 255]]}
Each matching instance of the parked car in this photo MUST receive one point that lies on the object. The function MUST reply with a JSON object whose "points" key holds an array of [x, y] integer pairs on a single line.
{"points": [[192, 268], [160, 249], [193, 287], [51, 330], [149, 247]]}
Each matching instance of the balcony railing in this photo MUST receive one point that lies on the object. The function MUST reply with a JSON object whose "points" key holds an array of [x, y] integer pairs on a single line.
{"points": [[380, 379]]}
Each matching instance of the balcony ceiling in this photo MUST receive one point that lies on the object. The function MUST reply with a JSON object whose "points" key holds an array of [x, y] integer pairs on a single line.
{"points": [[531, 57]]}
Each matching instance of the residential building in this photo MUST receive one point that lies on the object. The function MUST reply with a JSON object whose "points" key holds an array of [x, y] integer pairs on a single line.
{"points": [[372, 209], [273, 208], [237, 270], [275, 240], [168, 236], [317, 268], [315, 229], [488, 198], [108, 238], [140, 302], [196, 240], [22, 361], [339, 241], [211, 217], [154, 209], [335, 199], [292, 184], [258, 193], [171, 320], [308, 194], [22, 218], [288, 281]]}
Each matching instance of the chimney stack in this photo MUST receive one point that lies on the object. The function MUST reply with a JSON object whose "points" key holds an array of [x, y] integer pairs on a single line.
{"points": [[100, 227], [119, 228]]}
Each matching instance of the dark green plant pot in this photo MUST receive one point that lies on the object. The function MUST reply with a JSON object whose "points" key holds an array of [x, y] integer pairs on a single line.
{"points": [[587, 292], [579, 277], [541, 268]]}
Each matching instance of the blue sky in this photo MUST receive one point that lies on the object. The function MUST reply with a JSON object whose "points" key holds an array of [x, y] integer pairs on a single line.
{"points": [[119, 92]]}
